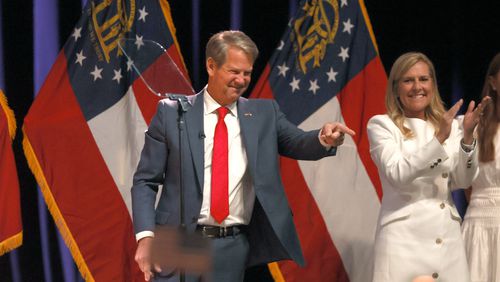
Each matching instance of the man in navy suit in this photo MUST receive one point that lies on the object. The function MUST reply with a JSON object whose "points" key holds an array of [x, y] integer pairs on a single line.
{"points": [[257, 226]]}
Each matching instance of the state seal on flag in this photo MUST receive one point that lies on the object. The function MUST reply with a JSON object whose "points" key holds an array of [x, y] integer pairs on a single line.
{"points": [[314, 30], [109, 29]]}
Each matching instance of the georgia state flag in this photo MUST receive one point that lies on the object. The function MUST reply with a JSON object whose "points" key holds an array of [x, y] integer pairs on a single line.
{"points": [[327, 68], [85, 130]]}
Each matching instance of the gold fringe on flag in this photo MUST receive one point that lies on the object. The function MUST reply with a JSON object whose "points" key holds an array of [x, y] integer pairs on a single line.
{"points": [[15, 241], [11, 120], [368, 23], [165, 7], [275, 272], [11, 243], [37, 171]]}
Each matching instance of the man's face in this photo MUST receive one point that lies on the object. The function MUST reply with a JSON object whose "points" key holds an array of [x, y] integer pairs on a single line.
{"points": [[226, 83]]}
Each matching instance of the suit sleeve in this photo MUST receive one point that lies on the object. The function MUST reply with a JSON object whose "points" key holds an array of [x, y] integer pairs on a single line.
{"points": [[399, 168], [150, 173], [295, 143]]}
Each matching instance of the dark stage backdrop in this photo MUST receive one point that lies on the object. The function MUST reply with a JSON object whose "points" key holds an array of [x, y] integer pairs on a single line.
{"points": [[460, 37]]}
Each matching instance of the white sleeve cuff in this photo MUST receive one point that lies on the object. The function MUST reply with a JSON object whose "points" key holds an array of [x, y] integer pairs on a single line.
{"points": [[144, 234], [468, 148]]}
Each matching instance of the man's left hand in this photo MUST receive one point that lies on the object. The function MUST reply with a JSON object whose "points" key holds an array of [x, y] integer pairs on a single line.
{"points": [[332, 133]]}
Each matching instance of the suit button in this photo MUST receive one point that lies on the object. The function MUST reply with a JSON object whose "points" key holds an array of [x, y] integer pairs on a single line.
{"points": [[435, 275], [442, 205], [439, 160], [439, 241], [444, 175]]}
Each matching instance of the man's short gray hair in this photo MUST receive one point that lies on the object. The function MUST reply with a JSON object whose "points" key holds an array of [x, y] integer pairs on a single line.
{"points": [[220, 42]]}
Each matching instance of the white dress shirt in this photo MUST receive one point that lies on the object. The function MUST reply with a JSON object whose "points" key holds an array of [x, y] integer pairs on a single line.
{"points": [[241, 192]]}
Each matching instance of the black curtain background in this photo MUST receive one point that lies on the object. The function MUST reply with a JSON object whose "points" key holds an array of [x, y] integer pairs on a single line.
{"points": [[460, 37]]}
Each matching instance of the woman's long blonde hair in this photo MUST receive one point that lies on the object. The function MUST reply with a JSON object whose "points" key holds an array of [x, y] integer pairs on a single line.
{"points": [[393, 105]]}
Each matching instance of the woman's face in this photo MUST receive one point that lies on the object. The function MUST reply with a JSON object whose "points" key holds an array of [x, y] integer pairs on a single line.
{"points": [[415, 90]]}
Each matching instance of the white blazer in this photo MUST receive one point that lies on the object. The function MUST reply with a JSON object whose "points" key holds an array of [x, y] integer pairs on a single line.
{"points": [[418, 231]]}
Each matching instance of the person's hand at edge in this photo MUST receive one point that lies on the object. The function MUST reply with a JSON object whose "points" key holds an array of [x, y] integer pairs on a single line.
{"points": [[332, 133]]}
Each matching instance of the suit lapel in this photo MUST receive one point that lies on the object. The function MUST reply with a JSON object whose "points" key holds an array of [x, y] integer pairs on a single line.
{"points": [[194, 128], [249, 133]]}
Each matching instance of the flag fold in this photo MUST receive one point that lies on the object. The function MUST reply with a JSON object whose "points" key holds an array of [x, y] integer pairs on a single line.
{"points": [[11, 230]]}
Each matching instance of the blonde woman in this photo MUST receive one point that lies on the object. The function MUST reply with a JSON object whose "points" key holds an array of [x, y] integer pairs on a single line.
{"points": [[481, 227], [421, 153]]}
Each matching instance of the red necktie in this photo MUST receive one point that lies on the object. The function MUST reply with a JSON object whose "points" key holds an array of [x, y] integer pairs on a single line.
{"points": [[219, 204]]}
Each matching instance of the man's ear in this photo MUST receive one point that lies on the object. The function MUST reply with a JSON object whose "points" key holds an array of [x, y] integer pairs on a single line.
{"points": [[211, 66]]}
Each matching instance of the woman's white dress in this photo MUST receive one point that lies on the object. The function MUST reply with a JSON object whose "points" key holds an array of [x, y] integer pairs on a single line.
{"points": [[481, 226]]}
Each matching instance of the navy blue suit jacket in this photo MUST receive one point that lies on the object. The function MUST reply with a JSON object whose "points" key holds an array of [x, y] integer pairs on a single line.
{"points": [[266, 134]]}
